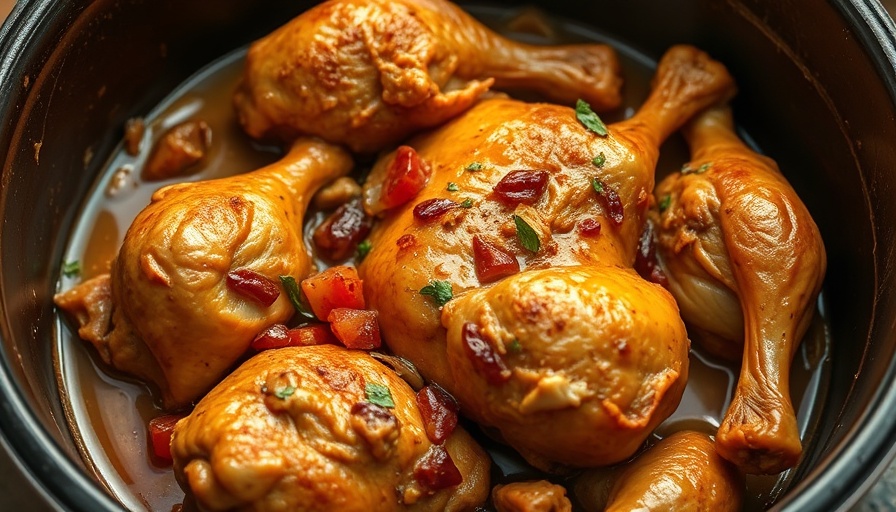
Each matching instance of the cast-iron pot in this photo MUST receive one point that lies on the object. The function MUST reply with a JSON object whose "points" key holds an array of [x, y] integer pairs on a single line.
{"points": [[817, 90]]}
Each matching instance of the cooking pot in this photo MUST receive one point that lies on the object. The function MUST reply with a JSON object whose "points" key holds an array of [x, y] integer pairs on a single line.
{"points": [[817, 91]]}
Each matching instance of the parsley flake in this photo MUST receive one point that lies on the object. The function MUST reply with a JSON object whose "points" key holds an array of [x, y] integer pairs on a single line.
{"points": [[379, 394], [599, 160], [473, 167], [665, 202], [452, 187], [295, 296], [440, 291], [284, 393], [597, 185], [526, 235], [364, 249], [71, 268], [589, 119], [468, 203], [687, 169], [514, 346]]}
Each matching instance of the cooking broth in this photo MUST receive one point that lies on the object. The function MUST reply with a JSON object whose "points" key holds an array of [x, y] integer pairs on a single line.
{"points": [[108, 413]]}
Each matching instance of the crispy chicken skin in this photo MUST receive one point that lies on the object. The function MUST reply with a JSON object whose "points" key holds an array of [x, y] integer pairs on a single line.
{"points": [[369, 73], [174, 320], [291, 429], [588, 348], [745, 262], [536, 496]]}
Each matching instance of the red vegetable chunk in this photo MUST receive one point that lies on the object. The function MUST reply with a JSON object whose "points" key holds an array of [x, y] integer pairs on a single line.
{"points": [[338, 237], [335, 287], [492, 262], [522, 186], [160, 430], [589, 227], [435, 470], [406, 176], [432, 209], [356, 328], [439, 412], [279, 336], [253, 286], [484, 358], [646, 263]]}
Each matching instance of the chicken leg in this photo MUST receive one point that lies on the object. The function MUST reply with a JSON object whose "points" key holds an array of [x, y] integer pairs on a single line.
{"points": [[369, 73], [745, 262], [575, 342]]}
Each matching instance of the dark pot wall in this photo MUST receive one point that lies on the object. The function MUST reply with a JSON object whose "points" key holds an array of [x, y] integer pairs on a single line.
{"points": [[815, 93]]}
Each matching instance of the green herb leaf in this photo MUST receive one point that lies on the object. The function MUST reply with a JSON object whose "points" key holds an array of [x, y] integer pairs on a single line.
{"points": [[283, 393], [295, 296], [597, 185], [527, 236], [589, 119], [514, 346], [599, 160], [71, 268], [473, 167], [364, 249], [687, 169], [665, 202], [440, 291], [379, 394], [452, 187], [468, 203]]}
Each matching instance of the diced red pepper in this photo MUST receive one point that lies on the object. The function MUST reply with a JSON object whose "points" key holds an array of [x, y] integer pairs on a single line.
{"points": [[439, 412], [492, 262], [406, 175], [589, 227], [522, 187], [279, 336], [160, 430], [484, 358], [335, 287], [432, 209], [611, 202], [436, 470], [356, 328], [646, 262], [254, 286], [339, 235]]}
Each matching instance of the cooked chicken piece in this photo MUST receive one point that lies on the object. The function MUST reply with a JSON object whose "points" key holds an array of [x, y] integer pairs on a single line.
{"points": [[681, 473], [197, 276], [745, 262], [576, 342], [539, 496], [369, 73], [312, 429]]}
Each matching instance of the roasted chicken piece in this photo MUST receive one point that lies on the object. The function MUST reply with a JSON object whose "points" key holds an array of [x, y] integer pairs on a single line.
{"points": [[322, 428], [681, 473], [197, 276], [569, 339], [537, 496], [745, 261], [369, 73]]}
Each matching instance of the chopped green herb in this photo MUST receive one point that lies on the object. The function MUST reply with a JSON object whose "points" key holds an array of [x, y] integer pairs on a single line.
{"points": [[379, 394], [452, 187], [597, 185], [364, 249], [703, 168], [71, 268], [665, 202], [527, 236], [514, 346], [687, 169], [283, 393], [440, 291], [295, 296], [473, 167], [468, 203], [589, 119], [599, 160]]}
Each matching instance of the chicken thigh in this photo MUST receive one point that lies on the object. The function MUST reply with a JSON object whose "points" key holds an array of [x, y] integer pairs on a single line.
{"points": [[569, 339], [369, 73], [198, 273], [322, 428], [745, 261]]}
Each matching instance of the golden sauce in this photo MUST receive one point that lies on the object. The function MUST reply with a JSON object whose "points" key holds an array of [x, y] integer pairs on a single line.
{"points": [[108, 414]]}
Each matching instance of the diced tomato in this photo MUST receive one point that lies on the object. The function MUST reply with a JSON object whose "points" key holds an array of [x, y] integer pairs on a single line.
{"points": [[338, 237], [335, 287], [436, 470], [405, 176], [522, 187], [279, 336], [492, 262], [589, 227], [439, 412], [254, 286], [432, 209], [483, 356], [356, 328], [160, 430]]}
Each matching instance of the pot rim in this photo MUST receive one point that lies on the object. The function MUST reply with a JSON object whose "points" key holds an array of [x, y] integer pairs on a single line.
{"points": [[852, 467]]}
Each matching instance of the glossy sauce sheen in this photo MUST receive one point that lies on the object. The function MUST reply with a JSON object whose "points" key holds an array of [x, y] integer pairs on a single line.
{"points": [[109, 414]]}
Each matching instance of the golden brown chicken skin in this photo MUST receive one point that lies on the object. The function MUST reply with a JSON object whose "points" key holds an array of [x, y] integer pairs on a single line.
{"points": [[575, 341], [295, 429], [535, 496], [369, 73], [745, 262], [198, 273]]}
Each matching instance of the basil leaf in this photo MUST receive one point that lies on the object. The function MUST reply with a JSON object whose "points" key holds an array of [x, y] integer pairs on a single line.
{"points": [[295, 296], [379, 394], [589, 119], [440, 291], [527, 236]]}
